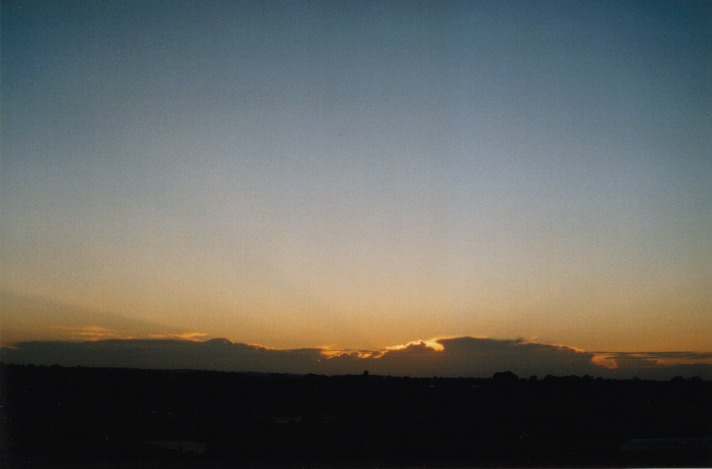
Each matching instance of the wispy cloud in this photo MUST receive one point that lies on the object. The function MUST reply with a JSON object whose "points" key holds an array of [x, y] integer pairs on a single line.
{"points": [[192, 336], [94, 333], [35, 318]]}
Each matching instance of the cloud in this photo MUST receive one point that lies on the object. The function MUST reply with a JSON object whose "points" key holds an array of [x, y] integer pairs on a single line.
{"points": [[453, 357], [215, 354], [30, 317], [657, 365], [93, 333], [662, 357], [467, 356], [194, 336]]}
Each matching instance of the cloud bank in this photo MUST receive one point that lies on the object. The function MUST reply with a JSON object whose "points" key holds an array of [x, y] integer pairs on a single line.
{"points": [[454, 357]]}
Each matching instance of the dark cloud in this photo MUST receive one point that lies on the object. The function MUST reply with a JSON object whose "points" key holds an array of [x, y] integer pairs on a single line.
{"points": [[464, 356], [216, 354], [657, 365], [467, 356], [691, 356]]}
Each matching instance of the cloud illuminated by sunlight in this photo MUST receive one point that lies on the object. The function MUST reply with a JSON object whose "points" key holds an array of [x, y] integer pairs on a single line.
{"points": [[605, 361], [658, 358], [463, 356], [93, 333], [431, 343], [534, 341], [192, 336], [329, 354]]}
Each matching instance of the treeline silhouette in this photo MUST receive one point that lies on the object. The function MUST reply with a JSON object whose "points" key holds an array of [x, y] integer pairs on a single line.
{"points": [[103, 417]]}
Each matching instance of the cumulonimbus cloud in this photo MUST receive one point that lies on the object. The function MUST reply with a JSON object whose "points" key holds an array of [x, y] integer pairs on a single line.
{"points": [[453, 357]]}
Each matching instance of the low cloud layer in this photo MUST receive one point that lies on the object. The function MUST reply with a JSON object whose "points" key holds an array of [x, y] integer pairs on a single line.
{"points": [[464, 356], [656, 365]]}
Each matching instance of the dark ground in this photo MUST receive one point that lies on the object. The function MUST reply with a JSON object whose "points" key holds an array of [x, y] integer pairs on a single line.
{"points": [[96, 417]]}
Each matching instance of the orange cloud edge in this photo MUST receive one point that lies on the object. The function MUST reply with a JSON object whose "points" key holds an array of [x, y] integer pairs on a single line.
{"points": [[609, 360], [94, 333]]}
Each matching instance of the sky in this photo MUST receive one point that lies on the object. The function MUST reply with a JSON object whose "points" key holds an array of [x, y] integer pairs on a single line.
{"points": [[358, 175]]}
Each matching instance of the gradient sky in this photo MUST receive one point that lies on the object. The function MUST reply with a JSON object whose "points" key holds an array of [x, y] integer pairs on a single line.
{"points": [[359, 174]]}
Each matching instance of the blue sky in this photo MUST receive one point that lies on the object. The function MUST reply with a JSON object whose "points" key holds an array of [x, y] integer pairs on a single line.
{"points": [[362, 174]]}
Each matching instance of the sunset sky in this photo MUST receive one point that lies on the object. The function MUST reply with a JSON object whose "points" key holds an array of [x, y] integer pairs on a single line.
{"points": [[357, 175]]}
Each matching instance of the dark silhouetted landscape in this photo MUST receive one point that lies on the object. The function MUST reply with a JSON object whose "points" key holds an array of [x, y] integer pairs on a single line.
{"points": [[55, 416]]}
